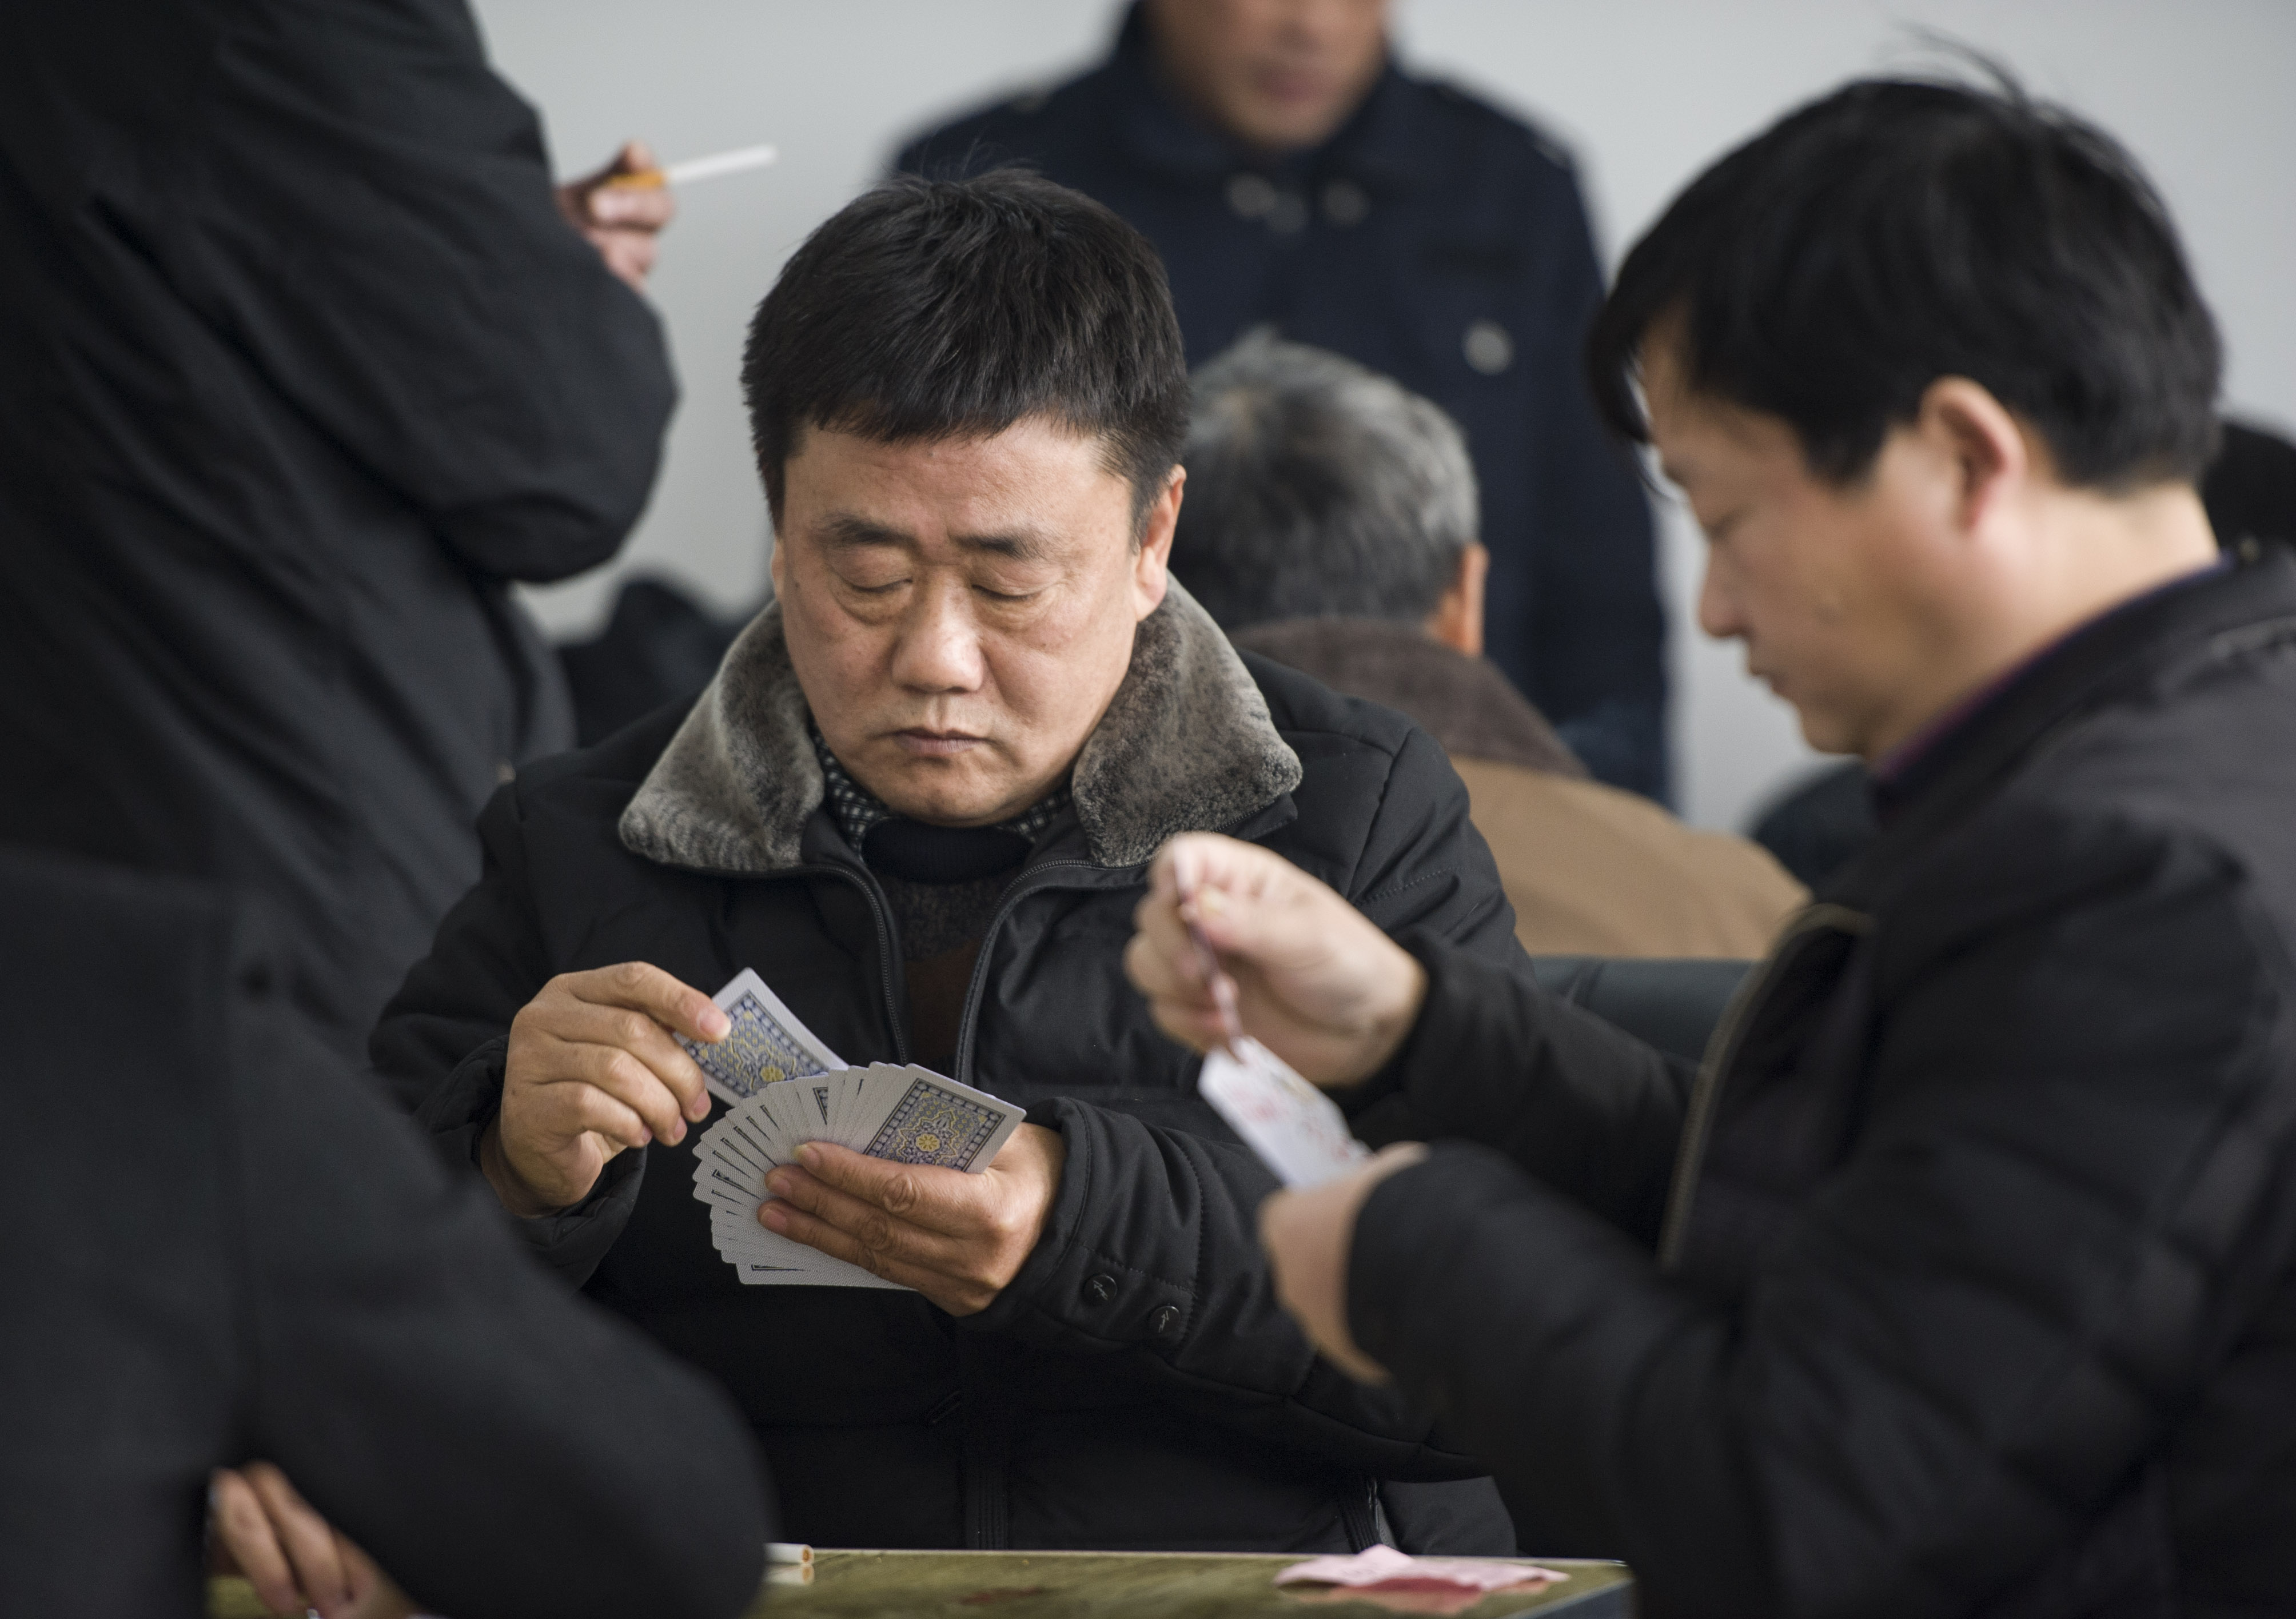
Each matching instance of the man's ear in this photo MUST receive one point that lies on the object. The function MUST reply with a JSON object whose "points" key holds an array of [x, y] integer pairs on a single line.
{"points": [[1458, 620], [1152, 556], [1991, 455]]}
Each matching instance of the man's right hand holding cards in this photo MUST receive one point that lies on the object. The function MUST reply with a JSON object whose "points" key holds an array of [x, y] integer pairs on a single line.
{"points": [[614, 1057]]}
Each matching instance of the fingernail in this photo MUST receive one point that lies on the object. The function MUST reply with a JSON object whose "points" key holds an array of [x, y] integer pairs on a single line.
{"points": [[716, 1024], [1211, 902], [807, 1154], [777, 1181], [773, 1217], [677, 1131], [645, 1136], [697, 1109]]}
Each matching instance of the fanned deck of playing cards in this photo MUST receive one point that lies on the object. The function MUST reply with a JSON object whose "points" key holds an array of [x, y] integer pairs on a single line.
{"points": [[1298, 1132], [784, 1089]]}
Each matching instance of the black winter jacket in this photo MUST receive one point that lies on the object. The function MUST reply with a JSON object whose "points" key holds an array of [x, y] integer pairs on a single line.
{"points": [[1975, 1289], [1136, 1386], [299, 366]]}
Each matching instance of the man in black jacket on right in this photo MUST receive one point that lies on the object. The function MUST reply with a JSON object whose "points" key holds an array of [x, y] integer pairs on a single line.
{"points": [[1962, 1280]]}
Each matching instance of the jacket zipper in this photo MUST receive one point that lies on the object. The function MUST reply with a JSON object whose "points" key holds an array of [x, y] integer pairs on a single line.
{"points": [[894, 1021], [1721, 1049], [1020, 890]]}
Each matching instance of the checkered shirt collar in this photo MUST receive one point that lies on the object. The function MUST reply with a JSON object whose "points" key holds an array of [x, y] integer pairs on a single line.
{"points": [[858, 810]]}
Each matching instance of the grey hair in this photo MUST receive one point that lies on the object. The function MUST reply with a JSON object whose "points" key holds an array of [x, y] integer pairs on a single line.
{"points": [[1318, 489]]}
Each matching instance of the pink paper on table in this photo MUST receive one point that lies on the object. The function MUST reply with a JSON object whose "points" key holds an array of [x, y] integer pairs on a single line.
{"points": [[1384, 1569]]}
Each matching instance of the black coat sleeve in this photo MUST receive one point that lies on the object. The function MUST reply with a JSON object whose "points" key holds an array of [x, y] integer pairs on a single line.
{"points": [[1170, 1218], [1494, 1059], [1968, 1335], [367, 211], [498, 1446], [440, 1046]]}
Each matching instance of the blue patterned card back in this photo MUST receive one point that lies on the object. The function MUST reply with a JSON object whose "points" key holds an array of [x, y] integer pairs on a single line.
{"points": [[930, 1125], [756, 1053]]}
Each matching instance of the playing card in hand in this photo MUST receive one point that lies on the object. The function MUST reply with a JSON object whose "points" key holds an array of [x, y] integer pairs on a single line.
{"points": [[1298, 1132], [908, 1115], [766, 1044], [913, 1115]]}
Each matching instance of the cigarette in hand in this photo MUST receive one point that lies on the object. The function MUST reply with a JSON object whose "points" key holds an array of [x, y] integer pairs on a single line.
{"points": [[736, 161]]}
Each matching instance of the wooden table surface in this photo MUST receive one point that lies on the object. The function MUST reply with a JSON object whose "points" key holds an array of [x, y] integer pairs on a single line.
{"points": [[1099, 1585]]}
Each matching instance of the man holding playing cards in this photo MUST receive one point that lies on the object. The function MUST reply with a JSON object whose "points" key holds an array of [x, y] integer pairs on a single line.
{"points": [[1961, 1280], [905, 829]]}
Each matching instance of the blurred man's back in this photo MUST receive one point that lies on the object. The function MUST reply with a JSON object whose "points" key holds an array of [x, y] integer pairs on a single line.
{"points": [[299, 366], [1330, 523], [229, 1250]]}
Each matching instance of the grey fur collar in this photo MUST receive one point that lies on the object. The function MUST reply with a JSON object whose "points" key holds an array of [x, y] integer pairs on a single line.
{"points": [[1186, 745]]}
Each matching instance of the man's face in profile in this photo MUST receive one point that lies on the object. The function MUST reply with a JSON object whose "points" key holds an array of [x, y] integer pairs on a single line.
{"points": [[1832, 588], [959, 612]]}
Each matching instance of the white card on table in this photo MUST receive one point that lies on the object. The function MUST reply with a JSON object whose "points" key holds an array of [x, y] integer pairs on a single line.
{"points": [[1298, 1132]]}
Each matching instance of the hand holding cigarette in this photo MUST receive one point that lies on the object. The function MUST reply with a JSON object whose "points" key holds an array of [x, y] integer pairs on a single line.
{"points": [[621, 208]]}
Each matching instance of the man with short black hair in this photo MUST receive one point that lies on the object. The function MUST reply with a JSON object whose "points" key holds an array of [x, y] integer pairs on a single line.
{"points": [[1964, 1280], [918, 800], [1331, 525]]}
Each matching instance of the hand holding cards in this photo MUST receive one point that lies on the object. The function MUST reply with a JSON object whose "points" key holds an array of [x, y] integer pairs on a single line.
{"points": [[787, 1089], [1297, 1131]]}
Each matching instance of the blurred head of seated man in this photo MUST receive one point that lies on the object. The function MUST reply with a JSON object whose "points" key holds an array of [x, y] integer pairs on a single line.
{"points": [[1331, 525], [1963, 1280], [1278, 76], [919, 800]]}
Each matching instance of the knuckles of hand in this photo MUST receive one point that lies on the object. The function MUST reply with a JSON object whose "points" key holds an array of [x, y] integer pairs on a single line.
{"points": [[899, 1194], [874, 1233]]}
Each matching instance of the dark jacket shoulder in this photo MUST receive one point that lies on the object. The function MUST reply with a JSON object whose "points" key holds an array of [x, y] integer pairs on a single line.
{"points": [[1020, 124]]}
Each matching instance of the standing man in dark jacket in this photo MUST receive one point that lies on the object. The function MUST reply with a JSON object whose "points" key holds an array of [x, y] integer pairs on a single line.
{"points": [[1291, 176], [919, 800], [299, 366], [251, 1258], [1964, 1280]]}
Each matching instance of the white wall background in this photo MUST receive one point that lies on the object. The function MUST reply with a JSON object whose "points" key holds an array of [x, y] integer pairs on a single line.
{"points": [[1645, 91]]}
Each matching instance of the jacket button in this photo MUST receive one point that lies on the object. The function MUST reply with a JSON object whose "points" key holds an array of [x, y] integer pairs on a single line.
{"points": [[1489, 347], [1250, 195], [1345, 203], [1100, 1289], [1163, 1319]]}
